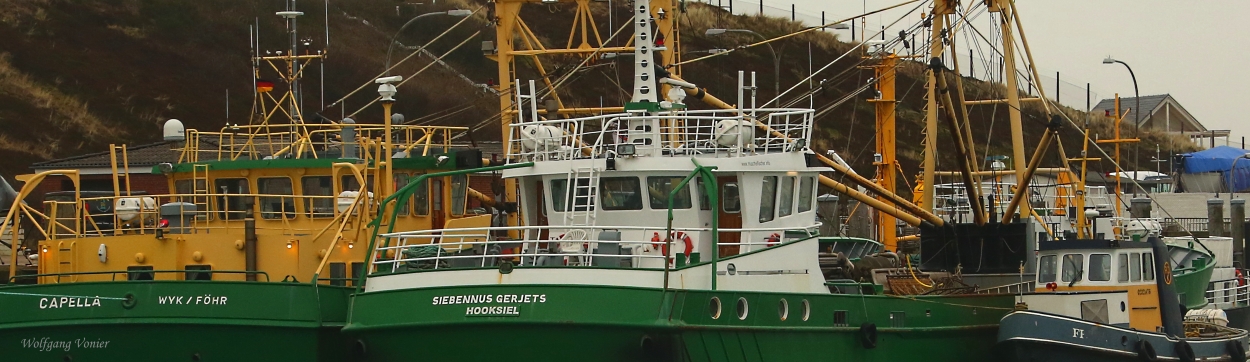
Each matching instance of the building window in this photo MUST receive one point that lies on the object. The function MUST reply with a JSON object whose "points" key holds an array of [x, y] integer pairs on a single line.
{"points": [[768, 199], [623, 193], [273, 205], [660, 187]]}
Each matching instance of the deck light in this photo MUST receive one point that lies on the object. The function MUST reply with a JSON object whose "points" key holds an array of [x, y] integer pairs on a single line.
{"points": [[351, 245], [290, 244]]}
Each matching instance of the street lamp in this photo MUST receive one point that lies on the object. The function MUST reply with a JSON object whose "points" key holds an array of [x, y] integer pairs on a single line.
{"points": [[1136, 114], [776, 57], [389, 49]]}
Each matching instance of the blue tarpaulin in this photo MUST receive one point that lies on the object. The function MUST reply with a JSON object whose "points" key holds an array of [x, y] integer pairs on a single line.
{"points": [[1219, 159]]}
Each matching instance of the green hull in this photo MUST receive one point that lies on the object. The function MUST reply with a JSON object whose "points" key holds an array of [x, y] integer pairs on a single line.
{"points": [[173, 321], [593, 323]]}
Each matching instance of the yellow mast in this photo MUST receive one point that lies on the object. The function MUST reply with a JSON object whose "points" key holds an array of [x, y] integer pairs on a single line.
{"points": [[887, 232]]}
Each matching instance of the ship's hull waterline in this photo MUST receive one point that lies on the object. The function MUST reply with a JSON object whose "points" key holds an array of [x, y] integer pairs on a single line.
{"points": [[604, 323], [173, 321]]}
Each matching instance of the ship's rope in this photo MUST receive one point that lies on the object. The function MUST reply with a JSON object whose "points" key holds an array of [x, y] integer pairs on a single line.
{"points": [[912, 271], [59, 296], [947, 303]]}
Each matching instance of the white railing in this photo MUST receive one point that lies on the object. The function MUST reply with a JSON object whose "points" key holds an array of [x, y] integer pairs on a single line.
{"points": [[606, 246], [1229, 292], [707, 133], [1014, 288]]}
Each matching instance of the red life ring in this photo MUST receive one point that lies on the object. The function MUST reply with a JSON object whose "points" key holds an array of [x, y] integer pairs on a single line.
{"points": [[655, 240], [773, 239]]}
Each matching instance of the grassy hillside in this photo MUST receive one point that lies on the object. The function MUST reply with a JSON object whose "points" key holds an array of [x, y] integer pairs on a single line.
{"points": [[76, 75]]}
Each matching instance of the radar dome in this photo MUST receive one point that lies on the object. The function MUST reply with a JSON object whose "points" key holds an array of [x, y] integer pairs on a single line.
{"points": [[174, 131]]}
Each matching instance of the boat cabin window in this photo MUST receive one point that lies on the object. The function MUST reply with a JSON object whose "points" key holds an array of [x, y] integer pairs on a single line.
{"points": [[401, 180], [768, 199], [730, 198], [805, 193], [559, 194], [786, 201], [459, 190], [276, 207], [185, 188], [318, 196], [1147, 266], [1072, 267], [233, 207], [1122, 268], [1100, 267], [421, 198], [1134, 266], [349, 183], [659, 188], [623, 193], [1046, 269], [704, 203]]}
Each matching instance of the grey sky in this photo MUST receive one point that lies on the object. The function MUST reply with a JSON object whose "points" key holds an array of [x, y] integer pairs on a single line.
{"points": [[1177, 47]]}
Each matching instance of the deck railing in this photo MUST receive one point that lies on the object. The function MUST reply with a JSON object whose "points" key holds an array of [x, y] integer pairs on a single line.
{"points": [[606, 246], [1229, 292], [256, 142]]}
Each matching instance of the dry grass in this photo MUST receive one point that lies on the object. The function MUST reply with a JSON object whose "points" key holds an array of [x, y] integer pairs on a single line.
{"points": [[68, 112]]}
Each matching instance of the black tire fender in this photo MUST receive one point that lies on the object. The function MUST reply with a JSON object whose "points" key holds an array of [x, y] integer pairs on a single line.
{"points": [[1236, 352], [1184, 351], [868, 335], [1146, 351]]}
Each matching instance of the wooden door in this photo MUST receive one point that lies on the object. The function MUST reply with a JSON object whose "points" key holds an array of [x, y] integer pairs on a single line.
{"points": [[730, 214]]}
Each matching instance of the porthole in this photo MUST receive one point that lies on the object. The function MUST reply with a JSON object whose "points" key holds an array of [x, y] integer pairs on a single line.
{"points": [[742, 308], [783, 309], [807, 310], [714, 307]]}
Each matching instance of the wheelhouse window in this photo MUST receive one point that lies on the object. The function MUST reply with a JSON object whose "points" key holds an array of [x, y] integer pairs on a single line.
{"points": [[401, 180], [1100, 267], [1046, 269], [704, 202], [233, 207], [1072, 267], [768, 199], [318, 196], [786, 201], [350, 184], [273, 206], [806, 193], [730, 198], [660, 187], [559, 194], [459, 190], [1147, 266], [1122, 267], [421, 198], [623, 193], [1134, 266], [186, 191]]}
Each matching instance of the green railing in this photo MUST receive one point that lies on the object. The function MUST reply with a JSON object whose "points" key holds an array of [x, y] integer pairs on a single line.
{"points": [[709, 188]]}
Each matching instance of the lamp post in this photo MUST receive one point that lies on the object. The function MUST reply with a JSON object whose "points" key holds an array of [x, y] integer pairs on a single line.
{"points": [[776, 57], [389, 49], [1136, 114]]}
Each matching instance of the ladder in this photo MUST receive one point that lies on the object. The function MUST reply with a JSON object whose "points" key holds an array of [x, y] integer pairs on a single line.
{"points": [[580, 205], [200, 191]]}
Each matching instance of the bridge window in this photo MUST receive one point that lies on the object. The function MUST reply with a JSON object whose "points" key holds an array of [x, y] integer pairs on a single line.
{"points": [[276, 207], [1122, 268], [729, 196], [768, 199], [1147, 266], [806, 193], [623, 193], [1073, 265], [660, 187], [421, 197], [318, 196], [786, 201], [1046, 269], [233, 207], [401, 180], [459, 190], [1100, 267], [1134, 266]]}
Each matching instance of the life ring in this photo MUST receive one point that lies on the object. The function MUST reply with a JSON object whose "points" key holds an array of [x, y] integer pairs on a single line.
{"points": [[1184, 351], [1241, 278], [1146, 351], [655, 240], [1236, 352], [773, 239], [868, 335]]}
